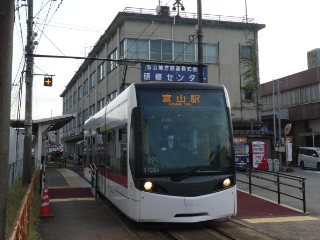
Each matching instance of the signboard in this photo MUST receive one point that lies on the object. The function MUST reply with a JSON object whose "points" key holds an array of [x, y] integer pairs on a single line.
{"points": [[180, 100], [171, 72], [47, 81]]}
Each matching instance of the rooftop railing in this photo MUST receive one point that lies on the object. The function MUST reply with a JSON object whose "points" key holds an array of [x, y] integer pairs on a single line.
{"points": [[190, 15]]}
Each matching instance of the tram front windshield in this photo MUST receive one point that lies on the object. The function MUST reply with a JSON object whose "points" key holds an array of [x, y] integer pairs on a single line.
{"points": [[184, 131]]}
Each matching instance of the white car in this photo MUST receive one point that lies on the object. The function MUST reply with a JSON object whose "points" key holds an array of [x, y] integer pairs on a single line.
{"points": [[309, 157]]}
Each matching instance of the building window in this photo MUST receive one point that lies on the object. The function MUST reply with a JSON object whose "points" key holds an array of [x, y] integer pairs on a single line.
{"points": [[92, 110], [161, 50], [135, 49], [111, 96], [295, 97], [101, 71], [67, 105], [79, 122], [248, 94], [302, 95], [70, 102], [315, 92], [165, 51], [100, 104], [85, 115], [75, 96], [92, 80], [190, 52], [286, 101], [112, 64], [210, 53], [80, 92], [245, 52], [179, 51], [307, 90], [85, 86]]}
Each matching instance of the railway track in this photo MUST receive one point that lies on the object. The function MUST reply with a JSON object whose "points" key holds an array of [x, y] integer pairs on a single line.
{"points": [[198, 232], [230, 229], [226, 230]]}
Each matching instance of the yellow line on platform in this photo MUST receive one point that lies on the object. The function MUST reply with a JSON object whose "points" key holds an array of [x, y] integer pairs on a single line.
{"points": [[280, 219], [71, 199], [70, 177]]}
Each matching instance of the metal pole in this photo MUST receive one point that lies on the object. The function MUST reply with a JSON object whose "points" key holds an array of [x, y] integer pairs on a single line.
{"points": [[279, 122], [245, 2], [200, 45], [274, 121], [26, 176], [6, 46]]}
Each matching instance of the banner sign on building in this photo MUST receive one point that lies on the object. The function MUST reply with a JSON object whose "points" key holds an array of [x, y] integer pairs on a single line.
{"points": [[172, 73]]}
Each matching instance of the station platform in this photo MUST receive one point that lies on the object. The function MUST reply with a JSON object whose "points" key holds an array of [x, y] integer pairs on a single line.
{"points": [[77, 214]]}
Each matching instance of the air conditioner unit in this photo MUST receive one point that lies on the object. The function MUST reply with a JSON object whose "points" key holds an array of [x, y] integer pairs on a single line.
{"points": [[163, 10]]}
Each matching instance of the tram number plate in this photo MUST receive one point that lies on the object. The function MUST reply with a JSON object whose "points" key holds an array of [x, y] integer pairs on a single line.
{"points": [[152, 170]]}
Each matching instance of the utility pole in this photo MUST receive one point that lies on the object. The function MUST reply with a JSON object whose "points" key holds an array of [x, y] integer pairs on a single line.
{"points": [[200, 45], [274, 120], [279, 122], [26, 176], [6, 46]]}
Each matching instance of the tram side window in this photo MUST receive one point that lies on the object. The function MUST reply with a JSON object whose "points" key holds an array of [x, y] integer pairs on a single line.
{"points": [[111, 149], [123, 150], [99, 149], [116, 150], [132, 143]]}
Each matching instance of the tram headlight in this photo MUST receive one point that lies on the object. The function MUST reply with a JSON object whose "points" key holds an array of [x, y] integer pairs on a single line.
{"points": [[227, 182], [148, 185]]}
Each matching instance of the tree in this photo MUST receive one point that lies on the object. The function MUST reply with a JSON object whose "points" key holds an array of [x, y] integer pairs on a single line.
{"points": [[250, 76]]}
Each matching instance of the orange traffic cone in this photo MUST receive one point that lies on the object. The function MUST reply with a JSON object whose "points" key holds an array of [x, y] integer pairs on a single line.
{"points": [[45, 208]]}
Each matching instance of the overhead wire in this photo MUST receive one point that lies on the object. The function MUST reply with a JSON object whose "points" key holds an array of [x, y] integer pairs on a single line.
{"points": [[17, 92], [42, 33], [45, 21]]}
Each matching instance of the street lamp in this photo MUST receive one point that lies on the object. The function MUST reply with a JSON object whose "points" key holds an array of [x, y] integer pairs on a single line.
{"points": [[178, 5]]}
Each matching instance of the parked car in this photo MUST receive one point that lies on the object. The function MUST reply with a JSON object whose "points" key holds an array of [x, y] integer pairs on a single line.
{"points": [[309, 157]]}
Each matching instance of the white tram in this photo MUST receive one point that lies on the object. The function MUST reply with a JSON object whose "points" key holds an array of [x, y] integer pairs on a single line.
{"points": [[164, 152]]}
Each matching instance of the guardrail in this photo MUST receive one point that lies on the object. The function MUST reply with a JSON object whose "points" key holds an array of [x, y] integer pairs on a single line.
{"points": [[277, 178], [20, 226], [190, 15]]}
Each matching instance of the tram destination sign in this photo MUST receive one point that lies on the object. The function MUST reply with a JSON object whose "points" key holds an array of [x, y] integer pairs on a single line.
{"points": [[180, 100], [171, 72]]}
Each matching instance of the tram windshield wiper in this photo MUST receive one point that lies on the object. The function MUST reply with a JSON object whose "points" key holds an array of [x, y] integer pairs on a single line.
{"points": [[196, 169]]}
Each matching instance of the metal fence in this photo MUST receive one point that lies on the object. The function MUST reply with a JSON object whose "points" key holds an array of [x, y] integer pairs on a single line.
{"points": [[283, 185], [15, 172], [21, 224]]}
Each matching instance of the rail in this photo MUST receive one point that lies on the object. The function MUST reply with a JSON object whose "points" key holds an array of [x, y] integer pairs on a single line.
{"points": [[278, 179], [20, 226]]}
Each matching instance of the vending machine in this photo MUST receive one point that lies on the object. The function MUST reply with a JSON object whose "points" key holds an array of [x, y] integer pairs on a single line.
{"points": [[259, 155], [241, 156]]}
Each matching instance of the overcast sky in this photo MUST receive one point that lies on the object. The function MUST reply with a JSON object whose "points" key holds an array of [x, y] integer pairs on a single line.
{"points": [[71, 28]]}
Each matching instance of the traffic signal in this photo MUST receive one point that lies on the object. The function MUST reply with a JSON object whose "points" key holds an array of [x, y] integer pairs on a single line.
{"points": [[47, 81]]}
